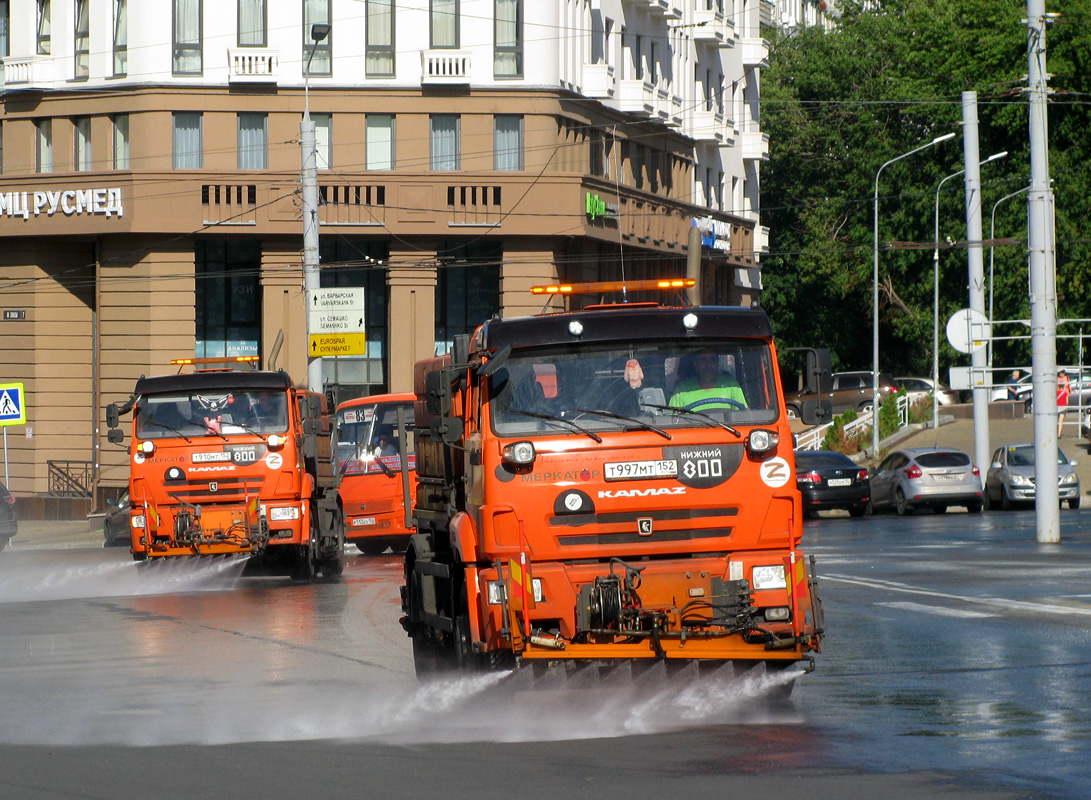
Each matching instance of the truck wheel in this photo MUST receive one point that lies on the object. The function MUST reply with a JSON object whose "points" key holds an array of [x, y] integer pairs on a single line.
{"points": [[302, 565]]}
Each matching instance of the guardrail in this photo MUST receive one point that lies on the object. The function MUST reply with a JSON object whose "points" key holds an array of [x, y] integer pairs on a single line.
{"points": [[812, 439]]}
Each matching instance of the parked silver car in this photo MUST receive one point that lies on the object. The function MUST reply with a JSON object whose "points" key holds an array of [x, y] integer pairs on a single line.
{"points": [[945, 396], [926, 478], [1010, 479]]}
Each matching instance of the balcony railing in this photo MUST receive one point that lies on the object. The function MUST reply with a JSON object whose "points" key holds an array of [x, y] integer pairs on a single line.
{"points": [[445, 66], [709, 26], [755, 146], [706, 126], [252, 65], [28, 73], [636, 97], [755, 53], [598, 80]]}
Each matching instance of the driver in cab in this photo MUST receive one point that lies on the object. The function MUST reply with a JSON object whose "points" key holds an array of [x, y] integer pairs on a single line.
{"points": [[708, 389]]}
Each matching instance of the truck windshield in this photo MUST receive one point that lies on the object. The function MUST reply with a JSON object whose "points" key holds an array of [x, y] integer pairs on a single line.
{"points": [[368, 440], [695, 383], [192, 414]]}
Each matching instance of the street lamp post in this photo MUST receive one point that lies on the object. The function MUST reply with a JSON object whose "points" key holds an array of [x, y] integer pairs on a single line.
{"points": [[875, 294], [992, 235], [935, 291], [309, 185]]}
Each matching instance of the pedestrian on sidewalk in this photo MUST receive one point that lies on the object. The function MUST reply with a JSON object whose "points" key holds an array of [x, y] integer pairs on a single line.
{"points": [[1064, 391], [1013, 384]]}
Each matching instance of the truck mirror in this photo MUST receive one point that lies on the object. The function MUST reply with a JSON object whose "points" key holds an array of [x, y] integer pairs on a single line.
{"points": [[816, 411], [112, 416], [496, 362], [437, 398], [446, 429], [314, 406], [460, 351], [819, 371], [115, 436]]}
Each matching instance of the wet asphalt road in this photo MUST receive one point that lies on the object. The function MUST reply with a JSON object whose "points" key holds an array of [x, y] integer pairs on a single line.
{"points": [[957, 664]]}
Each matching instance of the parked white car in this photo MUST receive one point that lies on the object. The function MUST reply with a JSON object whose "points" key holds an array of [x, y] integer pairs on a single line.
{"points": [[945, 396]]}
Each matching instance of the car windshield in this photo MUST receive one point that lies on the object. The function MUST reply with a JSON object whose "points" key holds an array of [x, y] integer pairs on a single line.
{"points": [[806, 460], [1023, 456], [192, 414], [945, 459], [367, 431], [612, 386]]}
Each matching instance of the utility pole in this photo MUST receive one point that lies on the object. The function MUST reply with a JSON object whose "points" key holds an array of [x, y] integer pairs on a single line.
{"points": [[976, 265], [309, 183], [1043, 289]]}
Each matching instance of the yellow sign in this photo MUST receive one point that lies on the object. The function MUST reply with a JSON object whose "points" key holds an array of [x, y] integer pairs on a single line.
{"points": [[338, 344]]}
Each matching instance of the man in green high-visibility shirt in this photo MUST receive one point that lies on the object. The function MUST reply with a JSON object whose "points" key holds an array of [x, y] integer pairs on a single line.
{"points": [[709, 389]]}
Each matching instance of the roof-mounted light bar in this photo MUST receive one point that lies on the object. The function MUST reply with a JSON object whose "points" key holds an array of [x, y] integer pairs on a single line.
{"points": [[216, 360], [654, 284]]}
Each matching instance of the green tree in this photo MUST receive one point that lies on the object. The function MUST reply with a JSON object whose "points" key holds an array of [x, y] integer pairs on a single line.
{"points": [[838, 105]]}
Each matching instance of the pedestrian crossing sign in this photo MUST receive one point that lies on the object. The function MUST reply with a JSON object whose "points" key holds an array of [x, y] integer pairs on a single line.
{"points": [[12, 410]]}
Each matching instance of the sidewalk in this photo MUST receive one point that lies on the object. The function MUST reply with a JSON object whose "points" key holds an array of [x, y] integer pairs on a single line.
{"points": [[40, 533]]}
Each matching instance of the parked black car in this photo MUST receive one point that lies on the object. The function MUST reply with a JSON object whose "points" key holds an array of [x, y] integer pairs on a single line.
{"points": [[9, 525], [116, 531], [829, 480]]}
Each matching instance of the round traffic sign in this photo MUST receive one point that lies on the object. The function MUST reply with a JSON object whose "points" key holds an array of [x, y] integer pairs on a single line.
{"points": [[968, 330]]}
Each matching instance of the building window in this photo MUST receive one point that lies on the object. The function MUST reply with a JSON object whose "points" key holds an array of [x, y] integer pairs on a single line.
{"points": [[323, 130], [5, 28], [1, 148], [317, 56], [187, 145], [444, 24], [81, 153], [252, 23], [227, 303], [634, 64], [188, 57], [379, 62], [508, 142], [380, 141], [43, 28], [508, 33], [444, 141], [467, 293], [253, 141], [81, 41], [121, 141], [121, 37], [43, 146]]}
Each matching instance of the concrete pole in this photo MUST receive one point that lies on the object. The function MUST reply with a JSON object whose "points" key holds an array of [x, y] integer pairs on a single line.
{"points": [[311, 282], [1043, 297], [976, 264], [693, 263]]}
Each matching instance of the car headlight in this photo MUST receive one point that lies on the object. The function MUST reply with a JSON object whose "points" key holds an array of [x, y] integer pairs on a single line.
{"points": [[1019, 480], [1071, 477], [282, 513], [769, 577]]}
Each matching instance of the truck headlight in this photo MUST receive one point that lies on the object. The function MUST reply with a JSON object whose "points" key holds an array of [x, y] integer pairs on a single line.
{"points": [[776, 613], [762, 441], [518, 453], [137, 521], [769, 577], [147, 448], [283, 513]]}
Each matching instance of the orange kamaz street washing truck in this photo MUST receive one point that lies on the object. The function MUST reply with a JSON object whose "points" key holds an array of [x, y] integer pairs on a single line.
{"points": [[228, 461], [613, 483]]}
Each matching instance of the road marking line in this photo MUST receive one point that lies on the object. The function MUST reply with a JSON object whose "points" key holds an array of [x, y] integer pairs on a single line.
{"points": [[939, 610]]}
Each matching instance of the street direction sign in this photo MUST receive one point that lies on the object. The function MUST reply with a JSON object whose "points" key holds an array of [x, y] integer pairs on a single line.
{"points": [[336, 311], [337, 344], [12, 410]]}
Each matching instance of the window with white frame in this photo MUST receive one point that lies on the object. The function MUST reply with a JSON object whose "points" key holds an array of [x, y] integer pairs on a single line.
{"points": [[379, 147], [121, 37], [443, 24], [81, 152], [121, 141], [187, 45], [81, 45], [444, 142], [43, 28], [508, 39], [323, 130], [253, 141], [253, 23], [508, 142], [43, 145], [379, 47], [5, 27], [187, 147], [317, 56]]}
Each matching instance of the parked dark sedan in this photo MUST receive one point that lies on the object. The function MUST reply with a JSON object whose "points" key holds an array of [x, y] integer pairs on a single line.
{"points": [[116, 530], [9, 525], [829, 480]]}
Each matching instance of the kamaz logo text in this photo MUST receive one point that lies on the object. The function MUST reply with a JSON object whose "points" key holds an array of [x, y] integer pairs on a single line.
{"points": [[642, 492]]}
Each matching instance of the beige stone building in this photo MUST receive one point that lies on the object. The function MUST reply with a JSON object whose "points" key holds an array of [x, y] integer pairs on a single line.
{"points": [[150, 202]]}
